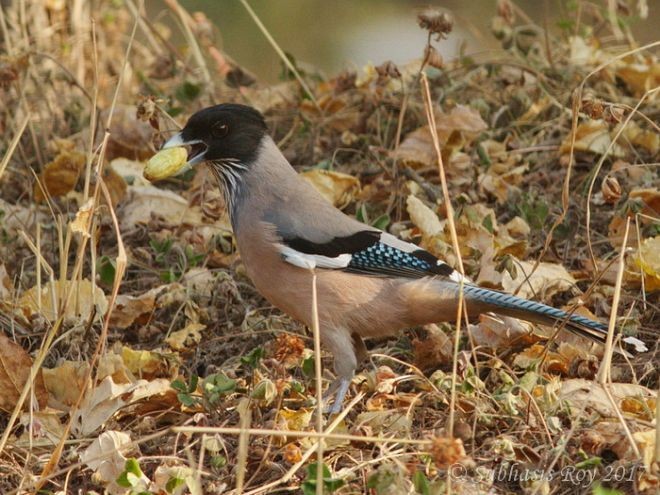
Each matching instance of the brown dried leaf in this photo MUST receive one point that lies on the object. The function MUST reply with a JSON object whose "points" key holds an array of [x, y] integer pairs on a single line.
{"points": [[145, 201], [547, 280], [64, 383], [432, 350], [147, 364], [423, 217], [105, 456], [592, 136], [104, 400], [648, 260], [15, 364], [187, 338], [41, 425], [61, 175], [500, 332], [338, 188], [85, 299], [459, 127], [129, 309], [580, 393], [640, 77]]}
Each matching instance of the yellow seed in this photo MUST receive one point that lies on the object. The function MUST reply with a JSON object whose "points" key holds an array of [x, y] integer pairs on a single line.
{"points": [[166, 163]]}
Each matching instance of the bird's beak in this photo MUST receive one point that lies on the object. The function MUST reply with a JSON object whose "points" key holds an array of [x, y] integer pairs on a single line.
{"points": [[196, 148]]}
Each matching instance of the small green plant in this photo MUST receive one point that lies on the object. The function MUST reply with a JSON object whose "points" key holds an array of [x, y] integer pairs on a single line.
{"points": [[216, 386], [533, 210], [133, 478], [252, 359], [329, 484], [174, 259], [186, 391]]}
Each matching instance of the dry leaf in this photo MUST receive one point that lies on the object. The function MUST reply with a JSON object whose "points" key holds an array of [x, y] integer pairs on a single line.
{"points": [[500, 332], [61, 175], [648, 260], [165, 474], [129, 309], [640, 77], [105, 456], [145, 201], [187, 338], [130, 170], [456, 129], [387, 421], [592, 136], [6, 285], [296, 420], [103, 401], [432, 350], [339, 189], [147, 364], [423, 217], [85, 299], [64, 383], [548, 279], [636, 137], [646, 442], [81, 223], [129, 137], [580, 393], [15, 365], [44, 425]]}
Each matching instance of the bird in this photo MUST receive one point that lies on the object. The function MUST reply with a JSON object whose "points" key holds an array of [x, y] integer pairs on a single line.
{"points": [[369, 283]]}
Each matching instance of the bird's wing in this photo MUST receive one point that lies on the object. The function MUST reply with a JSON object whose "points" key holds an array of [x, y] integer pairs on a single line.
{"points": [[370, 252]]}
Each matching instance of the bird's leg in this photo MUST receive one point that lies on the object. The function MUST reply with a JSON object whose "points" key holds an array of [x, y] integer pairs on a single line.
{"points": [[343, 347], [338, 387]]}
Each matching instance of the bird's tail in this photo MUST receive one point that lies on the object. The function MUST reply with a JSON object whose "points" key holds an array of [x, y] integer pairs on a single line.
{"points": [[517, 307]]}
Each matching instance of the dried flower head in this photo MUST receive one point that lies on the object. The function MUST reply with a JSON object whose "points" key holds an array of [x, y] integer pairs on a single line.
{"points": [[387, 70], [436, 22]]}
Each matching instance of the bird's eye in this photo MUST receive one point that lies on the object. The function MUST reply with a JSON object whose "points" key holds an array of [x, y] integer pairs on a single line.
{"points": [[220, 130]]}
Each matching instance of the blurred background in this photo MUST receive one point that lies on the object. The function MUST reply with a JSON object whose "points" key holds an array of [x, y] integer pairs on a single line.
{"points": [[338, 34]]}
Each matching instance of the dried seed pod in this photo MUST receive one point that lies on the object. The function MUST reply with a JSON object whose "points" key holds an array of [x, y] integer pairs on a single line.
{"points": [[611, 190], [166, 163]]}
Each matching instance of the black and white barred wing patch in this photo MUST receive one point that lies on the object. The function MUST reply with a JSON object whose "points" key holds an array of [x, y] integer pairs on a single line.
{"points": [[370, 252]]}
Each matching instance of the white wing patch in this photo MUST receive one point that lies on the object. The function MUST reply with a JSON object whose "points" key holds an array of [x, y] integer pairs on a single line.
{"points": [[396, 243], [311, 261]]}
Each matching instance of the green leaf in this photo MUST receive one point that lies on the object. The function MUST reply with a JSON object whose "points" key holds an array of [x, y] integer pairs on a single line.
{"points": [[601, 490], [421, 483], [179, 385], [217, 385], [488, 223], [329, 484], [186, 399], [382, 222], [308, 367], [590, 463], [218, 461], [107, 270], [361, 214], [192, 386], [133, 466], [253, 358], [174, 483], [187, 92]]}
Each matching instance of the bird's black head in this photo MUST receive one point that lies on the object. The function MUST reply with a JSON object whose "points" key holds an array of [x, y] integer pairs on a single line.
{"points": [[227, 133]]}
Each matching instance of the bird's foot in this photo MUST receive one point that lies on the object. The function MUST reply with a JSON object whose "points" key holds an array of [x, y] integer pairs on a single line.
{"points": [[338, 388]]}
